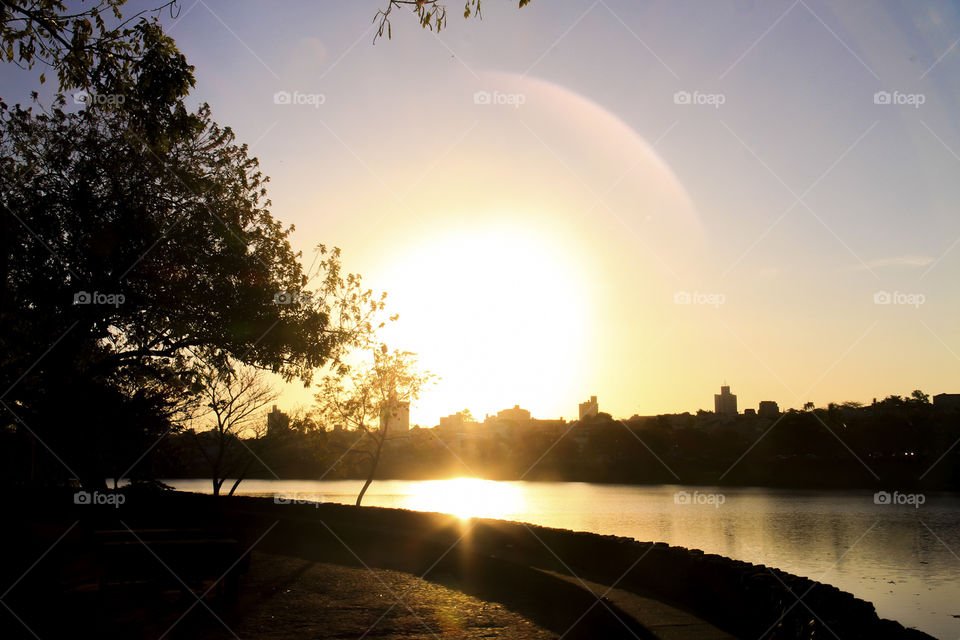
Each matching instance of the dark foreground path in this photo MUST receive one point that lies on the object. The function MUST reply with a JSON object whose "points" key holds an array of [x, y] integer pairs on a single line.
{"points": [[285, 598], [177, 565]]}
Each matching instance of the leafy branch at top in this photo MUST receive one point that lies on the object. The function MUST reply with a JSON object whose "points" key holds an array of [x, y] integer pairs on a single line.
{"points": [[430, 13], [79, 45]]}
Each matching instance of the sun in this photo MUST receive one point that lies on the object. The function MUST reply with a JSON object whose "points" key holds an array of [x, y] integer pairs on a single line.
{"points": [[498, 312]]}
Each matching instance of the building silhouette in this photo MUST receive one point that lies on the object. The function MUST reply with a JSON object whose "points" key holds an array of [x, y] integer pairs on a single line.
{"points": [[518, 420], [725, 403], [946, 401], [515, 415], [454, 423], [277, 421], [590, 408], [768, 409], [395, 416]]}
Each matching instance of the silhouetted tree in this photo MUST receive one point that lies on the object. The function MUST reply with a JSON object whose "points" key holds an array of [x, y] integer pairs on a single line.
{"points": [[359, 395], [231, 407], [119, 257]]}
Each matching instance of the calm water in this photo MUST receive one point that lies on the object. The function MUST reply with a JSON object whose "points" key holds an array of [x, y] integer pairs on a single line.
{"points": [[905, 560]]}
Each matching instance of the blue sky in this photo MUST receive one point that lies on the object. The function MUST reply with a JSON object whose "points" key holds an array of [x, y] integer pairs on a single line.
{"points": [[535, 248]]}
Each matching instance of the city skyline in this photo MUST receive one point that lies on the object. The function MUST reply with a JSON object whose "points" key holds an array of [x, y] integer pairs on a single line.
{"points": [[762, 408]]}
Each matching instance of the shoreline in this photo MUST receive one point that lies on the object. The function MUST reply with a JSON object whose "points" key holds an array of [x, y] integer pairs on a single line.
{"points": [[741, 598], [610, 483], [786, 486], [518, 565]]}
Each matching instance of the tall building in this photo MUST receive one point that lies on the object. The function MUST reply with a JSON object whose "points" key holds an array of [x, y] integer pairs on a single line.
{"points": [[725, 403], [395, 416], [590, 408], [768, 409], [277, 421]]}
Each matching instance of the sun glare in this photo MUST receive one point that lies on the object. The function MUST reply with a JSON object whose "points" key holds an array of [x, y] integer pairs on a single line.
{"points": [[466, 498], [498, 312]]}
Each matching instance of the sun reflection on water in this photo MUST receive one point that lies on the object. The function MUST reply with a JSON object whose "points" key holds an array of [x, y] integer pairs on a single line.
{"points": [[466, 498]]}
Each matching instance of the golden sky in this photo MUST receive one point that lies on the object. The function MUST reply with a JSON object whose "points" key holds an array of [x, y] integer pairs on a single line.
{"points": [[634, 201]]}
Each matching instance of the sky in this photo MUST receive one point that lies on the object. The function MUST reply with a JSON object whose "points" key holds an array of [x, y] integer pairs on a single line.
{"points": [[639, 201]]}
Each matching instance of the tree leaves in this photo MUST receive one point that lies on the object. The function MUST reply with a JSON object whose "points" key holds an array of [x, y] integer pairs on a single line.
{"points": [[430, 14], [78, 43]]}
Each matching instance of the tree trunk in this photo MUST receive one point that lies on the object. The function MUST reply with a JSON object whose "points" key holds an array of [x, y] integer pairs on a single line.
{"points": [[373, 467], [241, 476], [221, 449], [235, 485]]}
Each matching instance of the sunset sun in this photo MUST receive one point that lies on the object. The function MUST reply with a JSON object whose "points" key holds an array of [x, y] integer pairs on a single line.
{"points": [[501, 312]]}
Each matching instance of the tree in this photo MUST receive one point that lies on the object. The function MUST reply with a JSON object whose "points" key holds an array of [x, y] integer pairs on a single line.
{"points": [[231, 407], [85, 45], [181, 249], [129, 66], [119, 257], [360, 395]]}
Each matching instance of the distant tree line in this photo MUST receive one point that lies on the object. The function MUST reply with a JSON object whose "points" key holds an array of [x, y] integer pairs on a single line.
{"points": [[896, 442]]}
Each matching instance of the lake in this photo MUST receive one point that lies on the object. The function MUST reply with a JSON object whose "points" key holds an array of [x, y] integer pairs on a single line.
{"points": [[901, 557]]}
